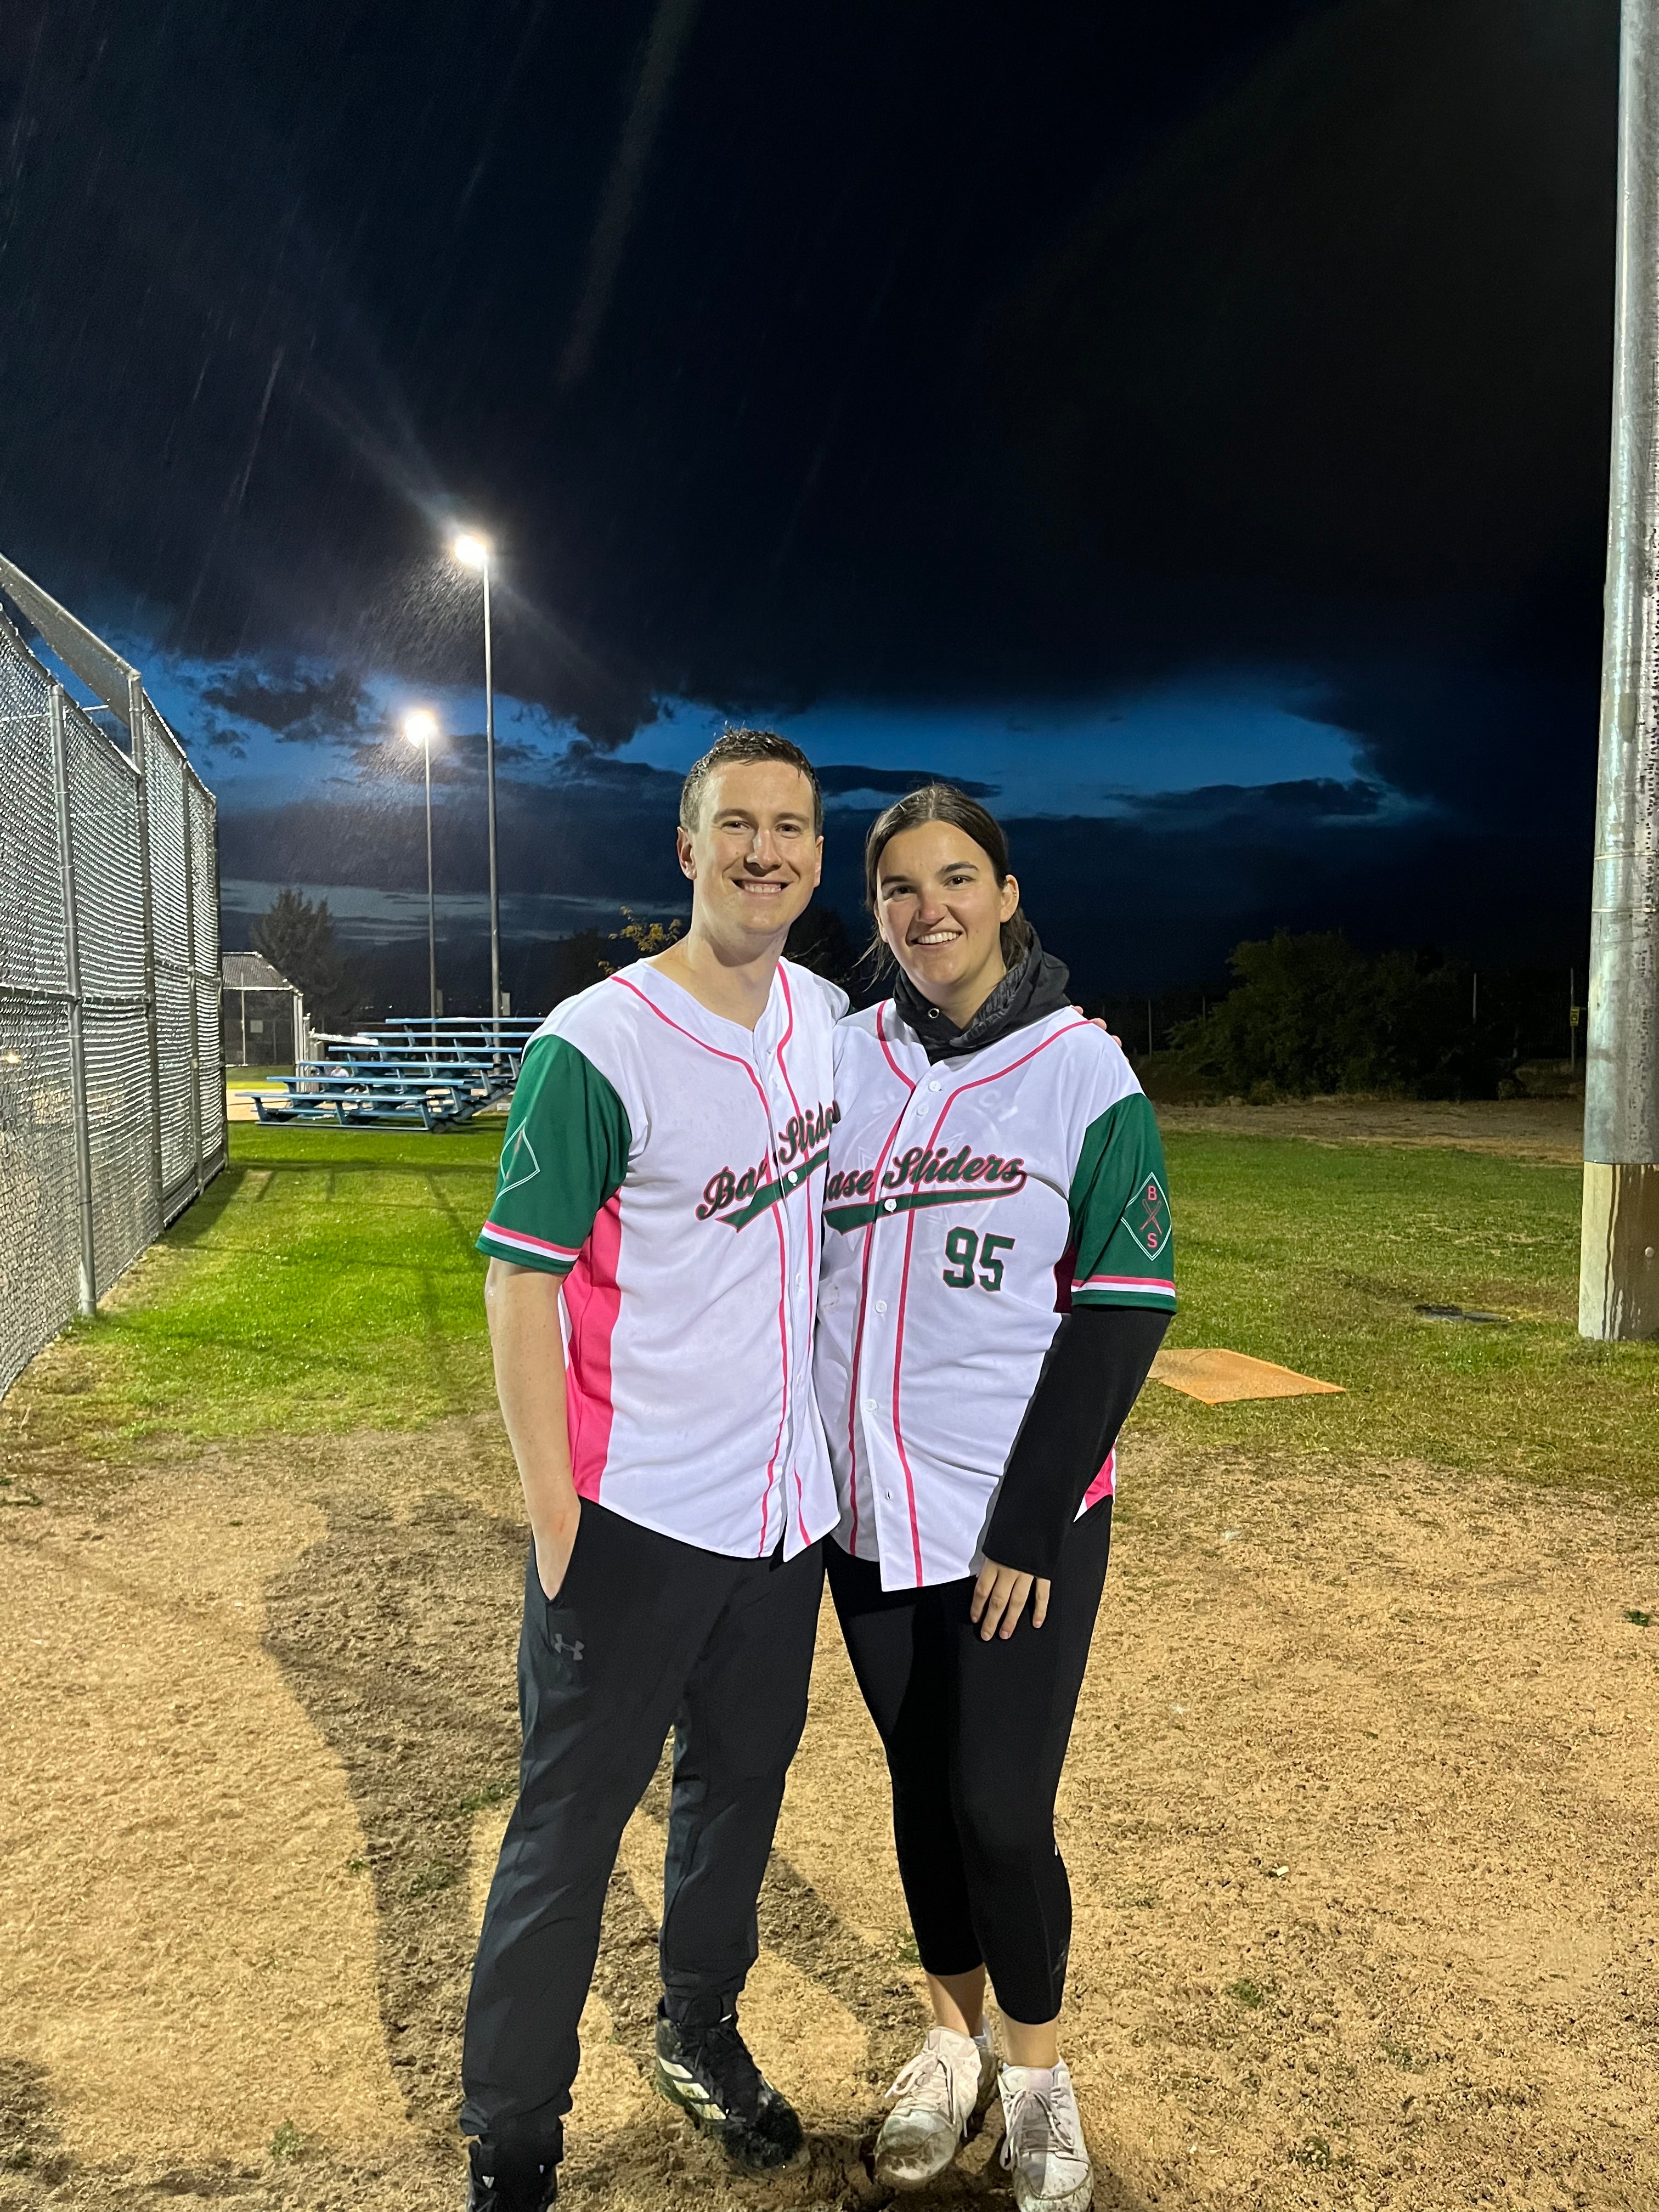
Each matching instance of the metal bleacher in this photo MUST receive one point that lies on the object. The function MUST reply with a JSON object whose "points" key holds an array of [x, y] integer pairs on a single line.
{"points": [[416, 1073]]}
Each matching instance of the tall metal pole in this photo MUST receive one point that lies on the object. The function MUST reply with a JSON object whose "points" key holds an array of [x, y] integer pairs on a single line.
{"points": [[138, 732], [1619, 1265], [87, 1289], [191, 918], [431, 901], [489, 778]]}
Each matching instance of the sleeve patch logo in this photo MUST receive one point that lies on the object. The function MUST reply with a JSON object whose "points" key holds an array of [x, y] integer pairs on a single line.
{"points": [[1146, 1217], [519, 1164]]}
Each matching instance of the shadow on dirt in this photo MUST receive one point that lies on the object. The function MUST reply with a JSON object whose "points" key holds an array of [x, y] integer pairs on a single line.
{"points": [[397, 1637]]}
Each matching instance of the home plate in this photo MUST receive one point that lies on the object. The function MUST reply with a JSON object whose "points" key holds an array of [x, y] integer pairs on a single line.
{"points": [[1219, 1377]]}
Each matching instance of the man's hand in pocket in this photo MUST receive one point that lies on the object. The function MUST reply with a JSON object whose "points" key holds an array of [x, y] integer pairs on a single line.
{"points": [[553, 1549]]}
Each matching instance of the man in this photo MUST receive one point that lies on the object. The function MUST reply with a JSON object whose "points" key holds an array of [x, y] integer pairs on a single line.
{"points": [[653, 1254]]}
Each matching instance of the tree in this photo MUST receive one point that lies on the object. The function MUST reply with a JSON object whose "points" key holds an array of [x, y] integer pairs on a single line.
{"points": [[298, 939], [1314, 1014], [644, 937]]}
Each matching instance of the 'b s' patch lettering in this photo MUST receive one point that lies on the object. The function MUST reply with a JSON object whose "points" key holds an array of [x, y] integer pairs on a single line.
{"points": [[1146, 1217]]}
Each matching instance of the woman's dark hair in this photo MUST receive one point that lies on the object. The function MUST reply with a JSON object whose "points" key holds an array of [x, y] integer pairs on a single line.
{"points": [[943, 802]]}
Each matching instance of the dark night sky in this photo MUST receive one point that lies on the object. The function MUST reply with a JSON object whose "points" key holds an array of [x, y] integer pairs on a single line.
{"points": [[1189, 424]]}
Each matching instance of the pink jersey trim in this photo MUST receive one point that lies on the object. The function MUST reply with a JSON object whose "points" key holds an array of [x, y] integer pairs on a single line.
{"points": [[1122, 1282], [771, 1153], [909, 1081], [783, 1347], [811, 1210], [1104, 1484], [811, 1235], [529, 1244], [961, 1091], [864, 1294], [593, 1300], [898, 1366]]}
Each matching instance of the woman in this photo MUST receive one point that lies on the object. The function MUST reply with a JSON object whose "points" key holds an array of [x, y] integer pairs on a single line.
{"points": [[996, 1281]]}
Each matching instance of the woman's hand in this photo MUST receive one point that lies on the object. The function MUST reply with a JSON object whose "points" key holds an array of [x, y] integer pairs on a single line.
{"points": [[999, 1595]]}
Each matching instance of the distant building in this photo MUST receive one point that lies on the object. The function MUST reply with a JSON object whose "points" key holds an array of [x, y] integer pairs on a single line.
{"points": [[262, 1015]]}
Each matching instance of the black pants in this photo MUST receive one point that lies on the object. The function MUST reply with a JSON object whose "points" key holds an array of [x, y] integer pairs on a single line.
{"points": [[975, 1736], [646, 1632]]}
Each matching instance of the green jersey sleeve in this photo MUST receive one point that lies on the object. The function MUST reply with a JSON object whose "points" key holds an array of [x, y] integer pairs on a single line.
{"points": [[1121, 1241], [567, 1141]]}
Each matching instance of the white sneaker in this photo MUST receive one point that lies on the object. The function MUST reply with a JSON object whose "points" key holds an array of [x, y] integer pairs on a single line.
{"points": [[937, 2094], [1043, 2139]]}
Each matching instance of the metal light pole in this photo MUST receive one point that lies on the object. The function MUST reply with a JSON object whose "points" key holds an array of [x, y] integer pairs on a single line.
{"points": [[1619, 1263], [420, 728], [475, 552]]}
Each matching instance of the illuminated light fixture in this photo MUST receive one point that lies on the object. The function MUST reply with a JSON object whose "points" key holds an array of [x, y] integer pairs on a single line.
{"points": [[420, 727], [471, 551]]}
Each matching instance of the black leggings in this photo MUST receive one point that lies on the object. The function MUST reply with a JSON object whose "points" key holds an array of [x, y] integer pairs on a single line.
{"points": [[975, 1736]]}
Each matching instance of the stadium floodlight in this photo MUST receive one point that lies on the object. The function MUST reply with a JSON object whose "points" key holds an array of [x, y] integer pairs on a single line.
{"points": [[420, 727], [1618, 1265], [474, 550]]}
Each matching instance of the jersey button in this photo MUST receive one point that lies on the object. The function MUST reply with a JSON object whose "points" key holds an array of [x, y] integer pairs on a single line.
{"points": [[881, 1305], [869, 1405], [889, 1205], [933, 1086]]}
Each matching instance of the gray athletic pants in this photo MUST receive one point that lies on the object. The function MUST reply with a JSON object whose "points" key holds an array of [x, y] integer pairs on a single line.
{"points": [[646, 1633]]}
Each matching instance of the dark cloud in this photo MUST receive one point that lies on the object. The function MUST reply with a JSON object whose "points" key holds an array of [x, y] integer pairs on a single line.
{"points": [[837, 781], [1154, 896], [927, 357], [330, 709], [1257, 811], [579, 832]]}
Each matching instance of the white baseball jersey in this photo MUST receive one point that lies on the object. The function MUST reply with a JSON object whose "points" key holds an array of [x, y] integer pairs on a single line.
{"points": [[669, 1164], [970, 1204]]}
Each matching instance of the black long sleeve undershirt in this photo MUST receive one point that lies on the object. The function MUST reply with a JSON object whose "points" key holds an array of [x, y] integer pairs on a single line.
{"points": [[1091, 1375]]}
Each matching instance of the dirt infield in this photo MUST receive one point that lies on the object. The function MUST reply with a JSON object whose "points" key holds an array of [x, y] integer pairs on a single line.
{"points": [[1360, 1817]]}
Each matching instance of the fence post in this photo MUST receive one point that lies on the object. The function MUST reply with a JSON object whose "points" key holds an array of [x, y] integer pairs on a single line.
{"points": [[87, 1296], [141, 760], [187, 778]]}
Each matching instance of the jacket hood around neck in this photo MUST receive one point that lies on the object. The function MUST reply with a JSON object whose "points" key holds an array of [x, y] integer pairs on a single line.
{"points": [[1034, 988]]}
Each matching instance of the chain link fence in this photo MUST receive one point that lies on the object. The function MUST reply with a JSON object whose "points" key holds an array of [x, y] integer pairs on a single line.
{"points": [[112, 1090]]}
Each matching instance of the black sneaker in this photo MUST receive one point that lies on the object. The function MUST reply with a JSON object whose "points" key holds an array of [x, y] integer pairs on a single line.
{"points": [[522, 2189], [709, 2072]]}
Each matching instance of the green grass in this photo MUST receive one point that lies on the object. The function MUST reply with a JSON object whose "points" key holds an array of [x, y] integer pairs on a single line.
{"points": [[1314, 1256], [327, 1282]]}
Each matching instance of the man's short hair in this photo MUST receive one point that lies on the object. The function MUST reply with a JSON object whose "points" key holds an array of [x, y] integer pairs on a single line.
{"points": [[745, 745]]}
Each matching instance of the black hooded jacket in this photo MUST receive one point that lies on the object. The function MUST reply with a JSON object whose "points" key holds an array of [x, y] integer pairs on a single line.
{"points": [[1101, 1356]]}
